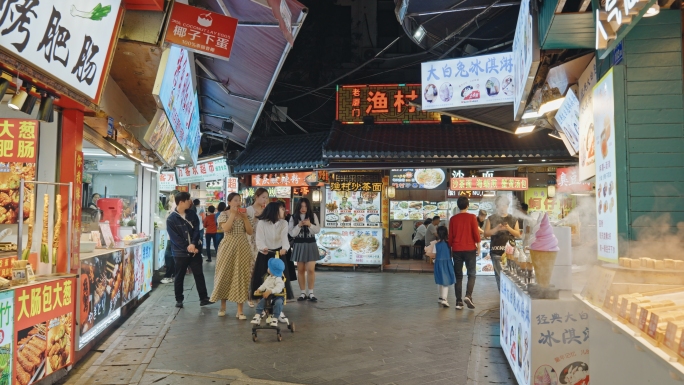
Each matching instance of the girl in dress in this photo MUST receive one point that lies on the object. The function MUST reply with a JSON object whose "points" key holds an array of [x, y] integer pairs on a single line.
{"points": [[253, 211], [233, 259], [271, 236], [303, 228], [444, 266]]}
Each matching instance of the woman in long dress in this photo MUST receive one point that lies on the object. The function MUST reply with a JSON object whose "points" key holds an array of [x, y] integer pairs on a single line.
{"points": [[303, 228], [253, 211], [271, 236], [233, 259]]}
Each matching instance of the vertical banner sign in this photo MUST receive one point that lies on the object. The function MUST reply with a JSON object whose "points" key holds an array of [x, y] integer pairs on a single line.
{"points": [[587, 155], [161, 140], [167, 181], [523, 46], [468, 82], [231, 185], [201, 31], [567, 122], [194, 131], [18, 151], [68, 39], [76, 216], [385, 217], [6, 335], [606, 183]]}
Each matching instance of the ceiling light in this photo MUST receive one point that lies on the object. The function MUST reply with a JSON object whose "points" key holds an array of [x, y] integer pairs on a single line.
{"points": [[552, 105], [119, 147], [525, 129], [182, 157], [17, 100], [543, 160], [30, 102], [520, 160], [129, 150], [654, 10], [531, 114], [152, 170], [45, 112], [419, 34], [554, 134], [147, 165]]}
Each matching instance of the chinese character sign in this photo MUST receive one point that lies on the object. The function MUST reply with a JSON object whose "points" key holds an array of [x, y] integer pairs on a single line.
{"points": [[386, 103], [490, 184], [567, 121], [231, 185], [468, 82], [291, 179], [208, 171], [567, 180], [167, 181], [176, 94], [7, 329], [606, 178], [18, 140], [69, 39], [587, 155], [199, 30], [613, 15]]}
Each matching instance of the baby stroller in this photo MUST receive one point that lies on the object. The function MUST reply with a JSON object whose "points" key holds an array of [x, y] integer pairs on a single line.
{"points": [[268, 309]]}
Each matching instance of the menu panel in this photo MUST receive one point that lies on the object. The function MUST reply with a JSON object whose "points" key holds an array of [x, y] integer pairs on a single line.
{"points": [[350, 246], [418, 178], [418, 210], [352, 209]]}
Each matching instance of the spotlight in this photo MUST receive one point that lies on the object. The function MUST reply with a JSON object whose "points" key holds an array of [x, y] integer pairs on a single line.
{"points": [[19, 97], [30, 102], [419, 34], [4, 86], [45, 109]]}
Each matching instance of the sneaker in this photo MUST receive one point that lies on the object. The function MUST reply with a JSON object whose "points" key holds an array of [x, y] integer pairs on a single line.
{"points": [[459, 305], [469, 301], [256, 320], [274, 323], [444, 303], [312, 298], [167, 280], [282, 319], [206, 302], [240, 316], [302, 297], [179, 304], [439, 300], [250, 303], [222, 313]]}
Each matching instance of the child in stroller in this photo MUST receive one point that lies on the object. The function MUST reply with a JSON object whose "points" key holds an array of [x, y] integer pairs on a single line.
{"points": [[273, 296]]}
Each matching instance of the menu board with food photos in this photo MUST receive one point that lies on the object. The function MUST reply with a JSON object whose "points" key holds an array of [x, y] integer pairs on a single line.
{"points": [[418, 210], [352, 209], [418, 178], [357, 246]]}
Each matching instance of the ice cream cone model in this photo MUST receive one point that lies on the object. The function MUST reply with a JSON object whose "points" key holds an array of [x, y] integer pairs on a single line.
{"points": [[543, 252]]}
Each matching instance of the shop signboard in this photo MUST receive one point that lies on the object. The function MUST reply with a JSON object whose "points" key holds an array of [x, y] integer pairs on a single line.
{"points": [[418, 210], [477, 194], [567, 122], [558, 207], [203, 172], [490, 184], [44, 320], [167, 181], [614, 19], [18, 140], [418, 178], [194, 134], [352, 208], [68, 39], [350, 246], [526, 57], [468, 82], [288, 179], [568, 181], [161, 139], [606, 182], [231, 185], [201, 31], [146, 262], [6, 335], [587, 155], [386, 103]]}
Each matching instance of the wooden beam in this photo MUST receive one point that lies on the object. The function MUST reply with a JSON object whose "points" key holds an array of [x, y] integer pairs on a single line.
{"points": [[585, 4], [667, 4], [560, 6]]}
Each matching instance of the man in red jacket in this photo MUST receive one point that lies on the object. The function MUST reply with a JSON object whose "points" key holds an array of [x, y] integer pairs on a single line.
{"points": [[464, 239]]}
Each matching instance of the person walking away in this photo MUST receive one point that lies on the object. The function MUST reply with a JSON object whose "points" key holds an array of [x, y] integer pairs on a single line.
{"points": [[253, 211], [444, 266], [464, 239], [219, 231], [168, 256], [210, 231], [419, 237], [183, 228], [272, 285], [271, 236], [303, 227], [503, 229], [431, 230], [233, 259]]}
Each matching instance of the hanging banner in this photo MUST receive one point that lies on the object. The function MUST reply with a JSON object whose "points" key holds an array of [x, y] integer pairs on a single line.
{"points": [[68, 39], [203, 172], [194, 134], [526, 57], [468, 82], [160, 138], [567, 122], [606, 182], [587, 155], [201, 31], [167, 181], [568, 181]]}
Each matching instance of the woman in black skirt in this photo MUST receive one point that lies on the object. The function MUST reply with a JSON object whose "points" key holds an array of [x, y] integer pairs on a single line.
{"points": [[271, 236], [303, 227]]}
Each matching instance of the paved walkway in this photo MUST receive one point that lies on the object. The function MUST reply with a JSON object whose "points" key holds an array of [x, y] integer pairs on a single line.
{"points": [[367, 328]]}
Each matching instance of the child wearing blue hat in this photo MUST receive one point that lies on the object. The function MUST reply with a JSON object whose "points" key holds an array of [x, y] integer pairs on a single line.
{"points": [[273, 284]]}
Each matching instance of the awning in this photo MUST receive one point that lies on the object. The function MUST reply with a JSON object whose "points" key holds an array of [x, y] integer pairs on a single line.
{"points": [[444, 144], [282, 153]]}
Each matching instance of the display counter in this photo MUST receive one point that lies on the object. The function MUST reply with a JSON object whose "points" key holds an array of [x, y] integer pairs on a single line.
{"points": [[110, 279], [637, 323], [545, 341]]}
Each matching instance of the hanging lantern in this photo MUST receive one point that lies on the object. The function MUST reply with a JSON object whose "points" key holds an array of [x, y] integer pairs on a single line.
{"points": [[316, 196]]}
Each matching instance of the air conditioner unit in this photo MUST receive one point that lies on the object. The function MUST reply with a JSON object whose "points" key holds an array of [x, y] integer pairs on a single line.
{"points": [[115, 166]]}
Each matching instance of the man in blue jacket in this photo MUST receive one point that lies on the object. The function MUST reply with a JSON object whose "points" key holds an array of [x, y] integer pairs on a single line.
{"points": [[183, 228]]}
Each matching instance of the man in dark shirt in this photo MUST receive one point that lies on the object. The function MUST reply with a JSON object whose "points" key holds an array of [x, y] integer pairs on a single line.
{"points": [[502, 228]]}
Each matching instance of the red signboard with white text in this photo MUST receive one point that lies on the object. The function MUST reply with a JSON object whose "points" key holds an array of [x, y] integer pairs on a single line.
{"points": [[567, 181], [489, 184], [199, 30]]}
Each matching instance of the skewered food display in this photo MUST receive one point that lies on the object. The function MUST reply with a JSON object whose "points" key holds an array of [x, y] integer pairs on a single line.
{"points": [[31, 221], [44, 253], [58, 227]]}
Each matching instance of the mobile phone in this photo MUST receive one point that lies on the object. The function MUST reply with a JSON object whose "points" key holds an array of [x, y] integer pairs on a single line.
{"points": [[242, 210]]}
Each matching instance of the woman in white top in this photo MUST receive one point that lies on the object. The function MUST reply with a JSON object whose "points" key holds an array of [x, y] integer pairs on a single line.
{"points": [[271, 236], [253, 211], [303, 227]]}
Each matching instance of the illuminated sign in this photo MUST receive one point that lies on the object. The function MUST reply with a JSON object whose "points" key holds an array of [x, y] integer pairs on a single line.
{"points": [[289, 179], [386, 103], [616, 17], [18, 140], [489, 184]]}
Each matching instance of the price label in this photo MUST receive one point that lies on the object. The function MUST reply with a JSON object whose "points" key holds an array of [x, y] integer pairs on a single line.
{"points": [[633, 314], [642, 319], [681, 345], [653, 325], [623, 308], [670, 336]]}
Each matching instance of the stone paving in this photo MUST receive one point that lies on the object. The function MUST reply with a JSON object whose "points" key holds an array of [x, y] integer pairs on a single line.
{"points": [[367, 328]]}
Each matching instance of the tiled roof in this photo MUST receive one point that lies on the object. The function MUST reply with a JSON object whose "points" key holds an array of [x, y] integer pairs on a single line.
{"points": [[282, 153], [390, 141]]}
